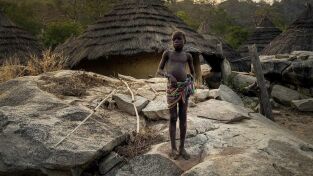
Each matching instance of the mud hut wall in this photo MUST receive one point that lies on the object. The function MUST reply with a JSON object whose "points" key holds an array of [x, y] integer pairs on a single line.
{"points": [[140, 66]]}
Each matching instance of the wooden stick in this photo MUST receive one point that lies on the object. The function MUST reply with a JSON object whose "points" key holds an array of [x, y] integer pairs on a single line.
{"points": [[81, 123], [133, 102], [265, 104]]}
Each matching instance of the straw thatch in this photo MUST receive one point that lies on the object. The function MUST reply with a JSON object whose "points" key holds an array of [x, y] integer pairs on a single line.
{"points": [[16, 42], [228, 52], [133, 27], [298, 36], [264, 33]]}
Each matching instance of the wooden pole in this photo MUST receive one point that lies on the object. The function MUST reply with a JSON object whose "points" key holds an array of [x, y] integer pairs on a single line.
{"points": [[133, 102], [265, 104]]}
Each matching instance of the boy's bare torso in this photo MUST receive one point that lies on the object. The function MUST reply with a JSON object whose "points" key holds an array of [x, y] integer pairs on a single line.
{"points": [[176, 65]]}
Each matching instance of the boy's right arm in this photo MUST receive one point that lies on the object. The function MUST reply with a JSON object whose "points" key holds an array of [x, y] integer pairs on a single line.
{"points": [[164, 59]]}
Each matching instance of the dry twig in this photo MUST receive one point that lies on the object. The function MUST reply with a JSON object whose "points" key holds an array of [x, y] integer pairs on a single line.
{"points": [[81, 123]]}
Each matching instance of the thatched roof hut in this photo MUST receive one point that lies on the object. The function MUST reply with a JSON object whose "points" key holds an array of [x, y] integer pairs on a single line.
{"points": [[263, 34], [16, 42], [298, 36], [133, 35], [228, 52]]}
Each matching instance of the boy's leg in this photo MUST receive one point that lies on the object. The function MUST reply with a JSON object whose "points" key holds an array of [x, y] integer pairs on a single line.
{"points": [[172, 130], [183, 128]]}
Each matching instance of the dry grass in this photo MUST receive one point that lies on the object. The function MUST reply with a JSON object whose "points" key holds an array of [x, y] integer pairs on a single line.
{"points": [[12, 68], [140, 143], [76, 85]]}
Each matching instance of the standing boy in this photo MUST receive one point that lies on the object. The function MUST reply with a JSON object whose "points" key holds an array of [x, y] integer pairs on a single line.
{"points": [[180, 87]]}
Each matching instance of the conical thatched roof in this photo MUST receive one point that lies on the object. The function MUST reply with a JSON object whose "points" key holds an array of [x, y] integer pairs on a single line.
{"points": [[264, 33], [15, 42], [298, 36], [228, 52], [132, 27]]}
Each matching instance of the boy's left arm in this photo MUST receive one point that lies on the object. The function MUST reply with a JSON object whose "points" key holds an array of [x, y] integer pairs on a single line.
{"points": [[190, 63]]}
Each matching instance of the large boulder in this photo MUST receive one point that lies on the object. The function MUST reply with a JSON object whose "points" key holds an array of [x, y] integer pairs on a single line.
{"points": [[299, 73], [242, 80], [285, 95], [33, 121], [273, 69], [296, 68]]}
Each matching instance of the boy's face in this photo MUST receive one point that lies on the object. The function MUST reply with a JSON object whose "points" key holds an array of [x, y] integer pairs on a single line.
{"points": [[178, 41]]}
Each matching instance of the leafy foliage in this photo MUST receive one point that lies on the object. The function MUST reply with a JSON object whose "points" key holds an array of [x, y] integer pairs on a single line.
{"points": [[57, 32], [23, 15]]}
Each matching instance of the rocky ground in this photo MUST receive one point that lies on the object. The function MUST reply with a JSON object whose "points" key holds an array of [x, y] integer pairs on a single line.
{"points": [[301, 123], [223, 137]]}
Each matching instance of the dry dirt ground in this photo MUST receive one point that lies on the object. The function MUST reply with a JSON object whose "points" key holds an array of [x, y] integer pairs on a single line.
{"points": [[301, 123]]}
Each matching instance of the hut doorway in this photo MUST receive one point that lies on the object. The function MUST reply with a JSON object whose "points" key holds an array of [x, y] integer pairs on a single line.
{"points": [[211, 68]]}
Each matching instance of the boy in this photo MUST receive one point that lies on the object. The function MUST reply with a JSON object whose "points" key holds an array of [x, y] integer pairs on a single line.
{"points": [[180, 87]]}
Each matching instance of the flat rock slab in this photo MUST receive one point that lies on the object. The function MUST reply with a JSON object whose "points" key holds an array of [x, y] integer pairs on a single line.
{"points": [[157, 109], [146, 93], [285, 95], [124, 102], [149, 164], [304, 105], [221, 111]]}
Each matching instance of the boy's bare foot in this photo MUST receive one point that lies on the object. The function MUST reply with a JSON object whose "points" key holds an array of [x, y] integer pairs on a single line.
{"points": [[174, 154], [184, 154]]}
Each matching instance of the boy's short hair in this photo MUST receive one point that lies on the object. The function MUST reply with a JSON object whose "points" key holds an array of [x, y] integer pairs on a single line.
{"points": [[179, 33]]}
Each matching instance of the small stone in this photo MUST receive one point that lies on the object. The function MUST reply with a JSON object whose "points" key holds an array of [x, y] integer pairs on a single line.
{"points": [[304, 105], [285, 95], [227, 94], [201, 95], [214, 94]]}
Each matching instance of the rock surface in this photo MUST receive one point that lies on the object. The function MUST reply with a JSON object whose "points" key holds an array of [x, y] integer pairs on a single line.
{"points": [[157, 109], [285, 95], [154, 165], [227, 94], [296, 68], [304, 105], [223, 138], [33, 121], [124, 102]]}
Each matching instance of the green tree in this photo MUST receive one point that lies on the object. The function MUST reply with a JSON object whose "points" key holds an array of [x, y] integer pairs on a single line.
{"points": [[57, 32], [187, 19], [22, 14], [236, 35]]}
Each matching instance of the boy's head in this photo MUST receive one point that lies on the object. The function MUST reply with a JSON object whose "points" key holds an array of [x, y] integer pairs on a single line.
{"points": [[179, 39]]}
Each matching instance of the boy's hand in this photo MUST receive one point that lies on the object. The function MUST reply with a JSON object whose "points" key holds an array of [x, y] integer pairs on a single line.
{"points": [[173, 80]]}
